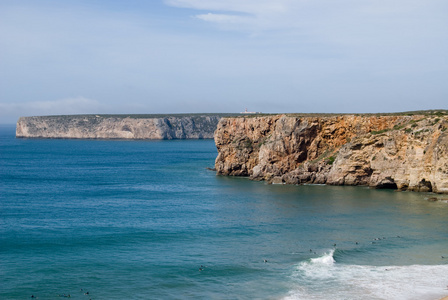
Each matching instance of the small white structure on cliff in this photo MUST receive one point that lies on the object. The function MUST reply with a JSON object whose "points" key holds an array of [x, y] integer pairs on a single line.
{"points": [[249, 112]]}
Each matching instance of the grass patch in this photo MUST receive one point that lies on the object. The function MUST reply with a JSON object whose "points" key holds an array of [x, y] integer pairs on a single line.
{"points": [[379, 131], [331, 160]]}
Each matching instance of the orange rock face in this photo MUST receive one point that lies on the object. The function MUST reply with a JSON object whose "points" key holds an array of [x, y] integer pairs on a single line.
{"points": [[403, 152]]}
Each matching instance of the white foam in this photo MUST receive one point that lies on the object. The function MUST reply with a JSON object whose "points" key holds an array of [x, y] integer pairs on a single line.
{"points": [[326, 260], [318, 268], [322, 278]]}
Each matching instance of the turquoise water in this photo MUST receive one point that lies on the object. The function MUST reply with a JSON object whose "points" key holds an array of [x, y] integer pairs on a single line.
{"points": [[147, 220]]}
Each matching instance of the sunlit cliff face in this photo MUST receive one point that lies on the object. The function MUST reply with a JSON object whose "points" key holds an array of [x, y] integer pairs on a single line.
{"points": [[403, 152]]}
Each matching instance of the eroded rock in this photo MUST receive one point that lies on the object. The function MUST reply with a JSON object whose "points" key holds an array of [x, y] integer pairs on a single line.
{"points": [[399, 152]]}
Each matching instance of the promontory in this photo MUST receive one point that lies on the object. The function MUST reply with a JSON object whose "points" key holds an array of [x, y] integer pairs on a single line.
{"points": [[406, 151], [152, 127]]}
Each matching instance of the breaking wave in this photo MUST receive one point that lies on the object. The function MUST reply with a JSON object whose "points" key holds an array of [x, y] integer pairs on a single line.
{"points": [[324, 278]]}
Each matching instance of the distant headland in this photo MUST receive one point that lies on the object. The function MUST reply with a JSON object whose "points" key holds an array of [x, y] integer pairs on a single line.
{"points": [[142, 126]]}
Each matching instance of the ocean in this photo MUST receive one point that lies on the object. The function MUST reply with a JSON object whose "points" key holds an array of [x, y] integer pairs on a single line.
{"points": [[120, 219]]}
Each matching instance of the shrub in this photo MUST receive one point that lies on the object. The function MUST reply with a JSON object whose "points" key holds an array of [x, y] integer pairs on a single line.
{"points": [[331, 160], [379, 131]]}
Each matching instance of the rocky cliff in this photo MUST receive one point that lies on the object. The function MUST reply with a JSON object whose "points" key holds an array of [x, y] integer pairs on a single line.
{"points": [[406, 152], [118, 127]]}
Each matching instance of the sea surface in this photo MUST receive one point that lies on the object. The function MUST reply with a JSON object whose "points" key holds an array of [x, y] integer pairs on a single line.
{"points": [[102, 219]]}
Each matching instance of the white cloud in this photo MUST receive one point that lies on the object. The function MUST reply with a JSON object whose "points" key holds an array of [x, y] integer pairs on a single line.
{"points": [[249, 15], [386, 36], [223, 18], [240, 6], [324, 19]]}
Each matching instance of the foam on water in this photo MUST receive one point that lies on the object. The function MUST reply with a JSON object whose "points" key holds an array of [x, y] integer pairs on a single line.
{"points": [[324, 260], [321, 277]]}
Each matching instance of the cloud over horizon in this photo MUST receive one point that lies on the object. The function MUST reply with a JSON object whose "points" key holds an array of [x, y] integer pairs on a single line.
{"points": [[77, 105]]}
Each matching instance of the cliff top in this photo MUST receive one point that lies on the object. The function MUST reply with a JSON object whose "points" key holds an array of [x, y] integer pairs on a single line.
{"points": [[136, 116], [431, 112]]}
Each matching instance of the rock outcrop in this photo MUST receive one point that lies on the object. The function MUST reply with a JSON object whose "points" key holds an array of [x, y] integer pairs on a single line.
{"points": [[405, 152], [118, 127]]}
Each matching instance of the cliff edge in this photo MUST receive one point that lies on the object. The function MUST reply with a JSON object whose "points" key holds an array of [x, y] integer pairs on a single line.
{"points": [[405, 152], [151, 127]]}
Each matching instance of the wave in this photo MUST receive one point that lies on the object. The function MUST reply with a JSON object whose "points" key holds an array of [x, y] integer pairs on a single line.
{"points": [[326, 260], [323, 278]]}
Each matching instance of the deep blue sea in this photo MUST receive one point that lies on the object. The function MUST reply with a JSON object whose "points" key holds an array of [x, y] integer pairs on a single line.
{"points": [[100, 219]]}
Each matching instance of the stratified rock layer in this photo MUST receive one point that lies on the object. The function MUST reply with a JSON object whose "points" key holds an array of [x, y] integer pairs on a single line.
{"points": [[403, 152], [118, 127]]}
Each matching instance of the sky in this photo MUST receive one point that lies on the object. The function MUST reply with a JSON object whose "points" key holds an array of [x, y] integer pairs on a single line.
{"points": [[219, 56]]}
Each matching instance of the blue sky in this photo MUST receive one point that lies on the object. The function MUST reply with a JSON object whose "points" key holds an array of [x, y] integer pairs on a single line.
{"points": [[183, 56]]}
